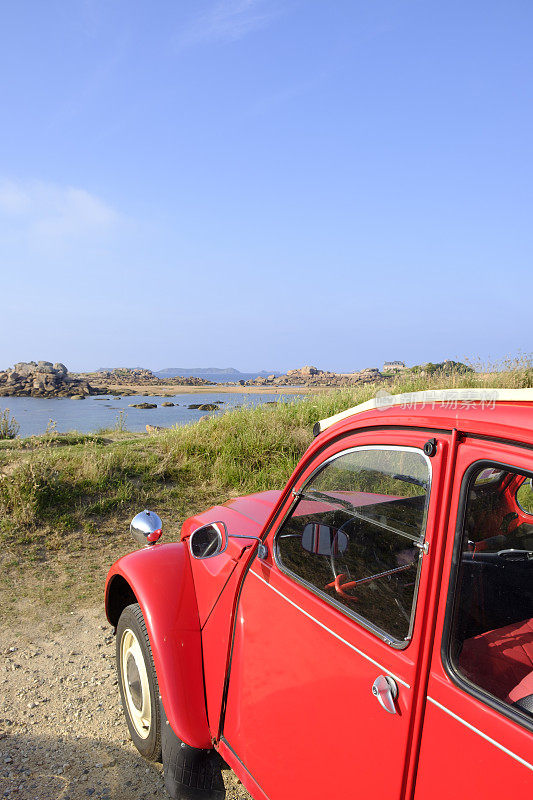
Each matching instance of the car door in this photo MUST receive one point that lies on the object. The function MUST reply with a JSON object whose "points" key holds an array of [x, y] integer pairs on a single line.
{"points": [[477, 733], [329, 625]]}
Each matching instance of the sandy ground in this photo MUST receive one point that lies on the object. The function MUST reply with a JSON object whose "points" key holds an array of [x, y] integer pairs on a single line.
{"points": [[63, 735], [169, 390]]}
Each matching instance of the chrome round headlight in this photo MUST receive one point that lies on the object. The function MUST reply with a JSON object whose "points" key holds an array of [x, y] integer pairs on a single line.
{"points": [[146, 527]]}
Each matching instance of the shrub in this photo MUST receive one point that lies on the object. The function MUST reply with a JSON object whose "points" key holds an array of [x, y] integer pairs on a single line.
{"points": [[120, 422], [9, 426]]}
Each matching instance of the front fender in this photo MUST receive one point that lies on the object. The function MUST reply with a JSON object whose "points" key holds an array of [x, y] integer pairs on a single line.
{"points": [[160, 578]]}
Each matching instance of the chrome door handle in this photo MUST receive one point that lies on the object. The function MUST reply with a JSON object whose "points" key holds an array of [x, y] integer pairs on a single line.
{"points": [[385, 690]]}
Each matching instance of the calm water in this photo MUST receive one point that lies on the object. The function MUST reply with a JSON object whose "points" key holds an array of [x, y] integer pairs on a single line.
{"points": [[93, 413]]}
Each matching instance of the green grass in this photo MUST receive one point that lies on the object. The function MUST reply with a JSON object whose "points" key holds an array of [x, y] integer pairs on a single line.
{"points": [[66, 499]]}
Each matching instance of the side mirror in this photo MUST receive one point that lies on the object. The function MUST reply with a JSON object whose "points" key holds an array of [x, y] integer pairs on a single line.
{"points": [[322, 540], [208, 541], [146, 527]]}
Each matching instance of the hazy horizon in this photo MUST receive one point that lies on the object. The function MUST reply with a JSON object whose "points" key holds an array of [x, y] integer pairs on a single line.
{"points": [[262, 370]]}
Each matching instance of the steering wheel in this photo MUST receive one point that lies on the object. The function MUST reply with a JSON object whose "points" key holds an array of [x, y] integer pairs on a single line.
{"points": [[340, 584], [340, 575], [340, 587]]}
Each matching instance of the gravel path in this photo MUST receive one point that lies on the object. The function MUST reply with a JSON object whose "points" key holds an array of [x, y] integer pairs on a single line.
{"points": [[63, 735]]}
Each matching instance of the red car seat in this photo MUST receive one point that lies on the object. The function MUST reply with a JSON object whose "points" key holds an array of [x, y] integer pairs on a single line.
{"points": [[501, 662]]}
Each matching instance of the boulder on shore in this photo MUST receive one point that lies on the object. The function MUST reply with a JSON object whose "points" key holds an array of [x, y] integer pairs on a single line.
{"points": [[155, 428], [42, 379]]}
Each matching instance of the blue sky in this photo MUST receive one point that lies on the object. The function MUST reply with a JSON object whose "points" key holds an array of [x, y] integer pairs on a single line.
{"points": [[265, 183]]}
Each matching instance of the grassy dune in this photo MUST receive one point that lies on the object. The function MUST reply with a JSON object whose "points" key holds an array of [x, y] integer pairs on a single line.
{"points": [[66, 499]]}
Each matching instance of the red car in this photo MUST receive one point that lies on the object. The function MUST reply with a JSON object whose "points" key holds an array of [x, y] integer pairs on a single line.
{"points": [[365, 632]]}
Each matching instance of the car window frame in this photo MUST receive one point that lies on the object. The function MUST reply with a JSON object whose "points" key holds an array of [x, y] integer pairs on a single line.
{"points": [[385, 637], [460, 680]]}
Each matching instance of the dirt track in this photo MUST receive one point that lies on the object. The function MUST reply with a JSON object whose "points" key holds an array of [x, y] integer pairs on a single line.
{"points": [[62, 730]]}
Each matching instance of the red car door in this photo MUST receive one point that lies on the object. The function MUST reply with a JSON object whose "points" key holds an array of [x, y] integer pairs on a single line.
{"points": [[329, 626], [478, 719]]}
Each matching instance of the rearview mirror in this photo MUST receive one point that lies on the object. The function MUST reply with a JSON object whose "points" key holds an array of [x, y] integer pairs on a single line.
{"points": [[322, 540], [208, 541]]}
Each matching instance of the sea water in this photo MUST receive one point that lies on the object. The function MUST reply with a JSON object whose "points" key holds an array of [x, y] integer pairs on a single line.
{"points": [[34, 414]]}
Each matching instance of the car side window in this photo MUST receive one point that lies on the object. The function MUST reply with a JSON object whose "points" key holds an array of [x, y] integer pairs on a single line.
{"points": [[355, 532], [524, 496], [491, 632]]}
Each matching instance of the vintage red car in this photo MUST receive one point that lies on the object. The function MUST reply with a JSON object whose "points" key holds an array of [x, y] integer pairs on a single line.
{"points": [[365, 632]]}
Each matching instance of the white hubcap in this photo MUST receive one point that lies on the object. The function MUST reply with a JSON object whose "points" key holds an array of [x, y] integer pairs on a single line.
{"points": [[135, 683]]}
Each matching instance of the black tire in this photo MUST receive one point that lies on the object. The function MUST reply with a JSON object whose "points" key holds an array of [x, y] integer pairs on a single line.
{"points": [[190, 773], [137, 680]]}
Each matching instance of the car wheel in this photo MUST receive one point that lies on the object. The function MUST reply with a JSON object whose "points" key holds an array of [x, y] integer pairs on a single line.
{"points": [[137, 681]]}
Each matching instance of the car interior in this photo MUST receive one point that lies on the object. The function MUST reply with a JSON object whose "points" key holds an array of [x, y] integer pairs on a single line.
{"points": [[492, 628]]}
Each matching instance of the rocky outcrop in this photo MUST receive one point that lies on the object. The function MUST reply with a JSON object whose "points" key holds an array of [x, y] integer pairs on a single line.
{"points": [[303, 372], [42, 379], [136, 377], [124, 375], [312, 376]]}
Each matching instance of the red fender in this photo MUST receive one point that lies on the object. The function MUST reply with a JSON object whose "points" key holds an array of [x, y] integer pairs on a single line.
{"points": [[160, 577]]}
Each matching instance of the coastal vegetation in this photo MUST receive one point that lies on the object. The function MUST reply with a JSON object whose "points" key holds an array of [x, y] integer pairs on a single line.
{"points": [[442, 367], [9, 426], [66, 499]]}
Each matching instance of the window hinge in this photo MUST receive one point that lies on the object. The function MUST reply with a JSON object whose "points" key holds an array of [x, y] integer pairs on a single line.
{"points": [[424, 546], [296, 493]]}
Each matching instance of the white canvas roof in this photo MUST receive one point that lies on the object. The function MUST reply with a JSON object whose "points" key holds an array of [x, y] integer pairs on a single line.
{"points": [[412, 399]]}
